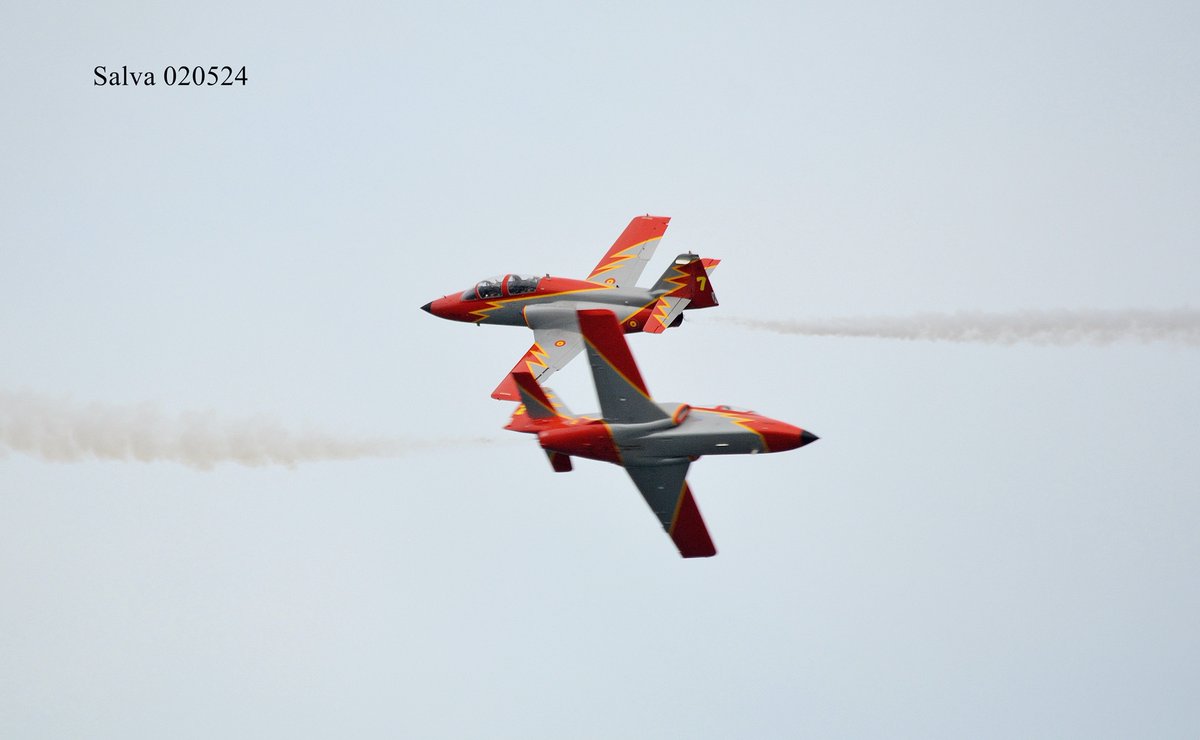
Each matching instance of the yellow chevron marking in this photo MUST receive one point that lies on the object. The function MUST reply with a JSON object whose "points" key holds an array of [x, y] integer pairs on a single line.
{"points": [[481, 314], [620, 258], [536, 358], [662, 309], [742, 420]]}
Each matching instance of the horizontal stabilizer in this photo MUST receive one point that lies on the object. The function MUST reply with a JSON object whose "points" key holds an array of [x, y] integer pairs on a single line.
{"points": [[666, 311]]}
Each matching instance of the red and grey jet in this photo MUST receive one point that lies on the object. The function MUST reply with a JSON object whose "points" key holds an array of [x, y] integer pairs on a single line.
{"points": [[548, 304], [654, 442]]}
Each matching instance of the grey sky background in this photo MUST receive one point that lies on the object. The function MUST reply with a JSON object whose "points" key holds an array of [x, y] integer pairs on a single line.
{"points": [[986, 542]]}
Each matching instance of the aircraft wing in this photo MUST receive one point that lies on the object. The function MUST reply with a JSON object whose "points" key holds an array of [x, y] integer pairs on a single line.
{"points": [[623, 263], [542, 360], [556, 341], [666, 490], [620, 389]]}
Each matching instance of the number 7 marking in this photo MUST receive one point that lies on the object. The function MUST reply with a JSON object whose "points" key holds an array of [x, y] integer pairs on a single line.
{"points": [[703, 282]]}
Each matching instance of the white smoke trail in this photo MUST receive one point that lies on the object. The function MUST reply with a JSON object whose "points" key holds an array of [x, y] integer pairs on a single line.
{"points": [[1058, 327], [58, 430]]}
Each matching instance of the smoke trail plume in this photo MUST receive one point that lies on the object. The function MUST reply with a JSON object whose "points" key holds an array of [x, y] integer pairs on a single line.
{"points": [[1059, 327], [58, 430]]}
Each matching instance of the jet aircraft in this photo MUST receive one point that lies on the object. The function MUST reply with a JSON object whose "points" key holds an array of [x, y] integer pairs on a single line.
{"points": [[654, 442], [548, 304]]}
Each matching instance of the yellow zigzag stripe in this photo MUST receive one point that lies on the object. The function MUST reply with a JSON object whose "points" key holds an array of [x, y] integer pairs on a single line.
{"points": [[537, 356], [620, 258]]}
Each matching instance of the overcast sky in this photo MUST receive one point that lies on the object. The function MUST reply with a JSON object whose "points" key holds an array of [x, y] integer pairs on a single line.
{"points": [[988, 541]]}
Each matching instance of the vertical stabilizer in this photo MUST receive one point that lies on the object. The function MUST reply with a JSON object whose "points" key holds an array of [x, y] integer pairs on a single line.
{"points": [[539, 409], [684, 285], [537, 404]]}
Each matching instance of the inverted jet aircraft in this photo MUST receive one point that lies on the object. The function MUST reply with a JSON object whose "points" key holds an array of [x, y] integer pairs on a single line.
{"points": [[548, 304], [654, 442]]}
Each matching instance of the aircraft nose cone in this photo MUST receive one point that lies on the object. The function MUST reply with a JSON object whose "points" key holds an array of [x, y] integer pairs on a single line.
{"points": [[780, 436], [426, 308]]}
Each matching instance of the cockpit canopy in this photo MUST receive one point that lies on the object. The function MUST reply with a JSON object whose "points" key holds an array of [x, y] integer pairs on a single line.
{"points": [[500, 286]]}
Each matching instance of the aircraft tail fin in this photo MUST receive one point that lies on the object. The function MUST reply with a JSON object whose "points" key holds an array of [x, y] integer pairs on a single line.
{"points": [[684, 285], [688, 277], [539, 407], [537, 404]]}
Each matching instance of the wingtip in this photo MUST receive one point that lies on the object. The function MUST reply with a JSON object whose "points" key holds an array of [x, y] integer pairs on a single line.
{"points": [[507, 390], [688, 531]]}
